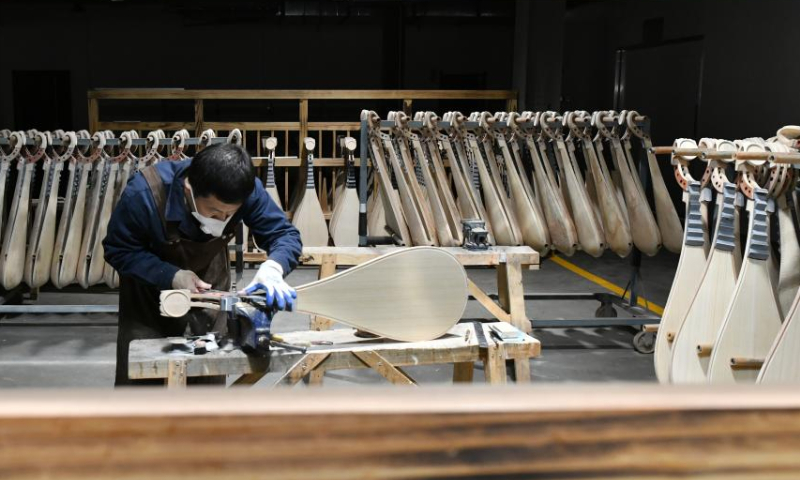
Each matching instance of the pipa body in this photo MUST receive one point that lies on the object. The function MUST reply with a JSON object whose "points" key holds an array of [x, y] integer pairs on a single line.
{"points": [[308, 217], [413, 294]]}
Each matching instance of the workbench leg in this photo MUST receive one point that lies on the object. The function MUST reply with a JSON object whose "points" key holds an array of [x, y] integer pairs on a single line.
{"points": [[315, 377], [176, 374], [388, 371], [248, 379], [511, 293], [303, 367], [462, 372], [327, 268], [494, 366], [522, 370]]}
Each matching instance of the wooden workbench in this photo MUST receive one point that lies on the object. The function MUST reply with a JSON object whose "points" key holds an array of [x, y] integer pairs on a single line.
{"points": [[508, 261], [150, 358]]}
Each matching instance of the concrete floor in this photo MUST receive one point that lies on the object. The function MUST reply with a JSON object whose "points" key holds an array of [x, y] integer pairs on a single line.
{"points": [[78, 350]]}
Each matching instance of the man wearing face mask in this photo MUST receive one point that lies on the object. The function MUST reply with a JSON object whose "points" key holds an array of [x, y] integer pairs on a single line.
{"points": [[171, 229]]}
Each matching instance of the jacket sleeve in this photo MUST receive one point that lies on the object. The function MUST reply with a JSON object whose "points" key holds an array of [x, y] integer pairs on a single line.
{"points": [[129, 240], [271, 230]]}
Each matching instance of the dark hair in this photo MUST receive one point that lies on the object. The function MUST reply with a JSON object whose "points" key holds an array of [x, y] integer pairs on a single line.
{"points": [[224, 171]]}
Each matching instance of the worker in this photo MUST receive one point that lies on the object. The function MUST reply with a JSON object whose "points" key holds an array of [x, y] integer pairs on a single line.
{"points": [[171, 229]]}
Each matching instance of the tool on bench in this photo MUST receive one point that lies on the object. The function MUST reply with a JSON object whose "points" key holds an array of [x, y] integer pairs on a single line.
{"points": [[476, 237], [249, 323], [483, 343], [507, 336]]}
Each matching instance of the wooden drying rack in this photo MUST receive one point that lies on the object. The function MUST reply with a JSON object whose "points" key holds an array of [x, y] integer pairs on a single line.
{"points": [[325, 132]]}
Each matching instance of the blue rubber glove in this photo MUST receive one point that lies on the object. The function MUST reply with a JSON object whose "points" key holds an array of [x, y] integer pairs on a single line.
{"points": [[269, 278]]}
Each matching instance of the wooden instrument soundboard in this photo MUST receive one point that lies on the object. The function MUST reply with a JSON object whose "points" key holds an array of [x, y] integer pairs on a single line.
{"points": [[694, 339], [413, 294], [691, 263]]}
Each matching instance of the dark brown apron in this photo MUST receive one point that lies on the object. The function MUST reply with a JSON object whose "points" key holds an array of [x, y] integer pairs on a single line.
{"points": [[139, 317]]}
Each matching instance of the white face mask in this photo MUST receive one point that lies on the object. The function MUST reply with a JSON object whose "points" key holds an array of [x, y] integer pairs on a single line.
{"points": [[208, 225]]}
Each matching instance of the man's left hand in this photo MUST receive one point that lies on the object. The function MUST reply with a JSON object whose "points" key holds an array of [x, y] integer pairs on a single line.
{"points": [[269, 278]]}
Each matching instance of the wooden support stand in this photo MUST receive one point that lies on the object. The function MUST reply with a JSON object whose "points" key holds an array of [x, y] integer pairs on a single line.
{"points": [[460, 347]]}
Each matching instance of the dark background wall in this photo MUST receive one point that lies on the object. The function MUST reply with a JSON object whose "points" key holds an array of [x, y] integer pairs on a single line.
{"points": [[746, 83], [699, 68], [259, 45]]}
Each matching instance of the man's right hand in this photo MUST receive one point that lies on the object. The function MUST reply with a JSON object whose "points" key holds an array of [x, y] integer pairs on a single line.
{"points": [[188, 280]]}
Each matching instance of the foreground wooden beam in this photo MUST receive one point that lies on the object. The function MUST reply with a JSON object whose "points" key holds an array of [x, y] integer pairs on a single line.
{"points": [[632, 432]]}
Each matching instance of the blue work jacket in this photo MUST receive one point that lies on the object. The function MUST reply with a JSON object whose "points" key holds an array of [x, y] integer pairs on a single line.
{"points": [[135, 228]]}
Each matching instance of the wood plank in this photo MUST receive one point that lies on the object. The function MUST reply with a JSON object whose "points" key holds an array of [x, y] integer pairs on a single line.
{"points": [[374, 361], [512, 295], [176, 375], [166, 126], [258, 126], [178, 94], [494, 365], [334, 126], [248, 379], [326, 269], [468, 258], [303, 367], [148, 360], [94, 113], [630, 432], [357, 255], [487, 302], [463, 372], [522, 370]]}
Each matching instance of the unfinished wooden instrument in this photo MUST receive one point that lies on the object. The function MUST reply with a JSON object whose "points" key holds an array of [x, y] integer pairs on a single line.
{"points": [[376, 214], [270, 144], [16, 144], [98, 211], [308, 217], [456, 148], [692, 260], [782, 364], [753, 318], [469, 205], [344, 219], [39, 257], [560, 226], [484, 139], [393, 207], [694, 340], [411, 295], [503, 228], [12, 256], [423, 187], [668, 222], [70, 228], [127, 163], [529, 217], [179, 144], [587, 225], [644, 229], [615, 227], [789, 271], [432, 168]]}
